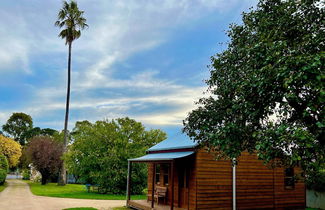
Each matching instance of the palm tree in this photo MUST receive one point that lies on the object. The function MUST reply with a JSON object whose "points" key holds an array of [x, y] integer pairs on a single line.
{"points": [[71, 19]]}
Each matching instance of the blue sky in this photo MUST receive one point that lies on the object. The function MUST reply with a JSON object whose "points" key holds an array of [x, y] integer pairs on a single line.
{"points": [[145, 59]]}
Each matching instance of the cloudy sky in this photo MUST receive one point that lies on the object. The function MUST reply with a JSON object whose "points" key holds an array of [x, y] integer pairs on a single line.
{"points": [[146, 59]]}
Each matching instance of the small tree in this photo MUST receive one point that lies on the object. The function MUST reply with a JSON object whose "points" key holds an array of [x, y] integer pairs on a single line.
{"points": [[11, 149], [17, 125], [45, 155]]}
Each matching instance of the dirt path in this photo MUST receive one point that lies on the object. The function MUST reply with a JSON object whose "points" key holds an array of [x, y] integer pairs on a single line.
{"points": [[17, 196]]}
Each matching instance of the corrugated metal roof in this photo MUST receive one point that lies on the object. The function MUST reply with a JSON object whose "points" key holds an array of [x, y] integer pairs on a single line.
{"points": [[162, 156], [179, 143]]}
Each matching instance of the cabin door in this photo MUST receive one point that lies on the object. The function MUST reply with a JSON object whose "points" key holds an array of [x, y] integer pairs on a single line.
{"points": [[183, 178]]}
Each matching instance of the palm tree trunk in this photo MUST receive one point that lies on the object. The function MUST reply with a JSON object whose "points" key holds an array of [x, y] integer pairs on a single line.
{"points": [[63, 175]]}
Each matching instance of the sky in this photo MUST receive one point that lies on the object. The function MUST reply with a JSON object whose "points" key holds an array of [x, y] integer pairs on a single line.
{"points": [[143, 59]]}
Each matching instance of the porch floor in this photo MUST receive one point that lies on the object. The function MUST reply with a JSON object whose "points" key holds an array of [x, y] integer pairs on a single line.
{"points": [[146, 205]]}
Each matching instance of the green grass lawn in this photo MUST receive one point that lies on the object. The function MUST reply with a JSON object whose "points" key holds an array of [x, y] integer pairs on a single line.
{"points": [[74, 191], [2, 187]]}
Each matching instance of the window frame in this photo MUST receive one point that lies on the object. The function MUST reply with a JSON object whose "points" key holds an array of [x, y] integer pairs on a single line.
{"points": [[289, 178]]}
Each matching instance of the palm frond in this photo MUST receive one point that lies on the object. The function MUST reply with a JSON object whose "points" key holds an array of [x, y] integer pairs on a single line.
{"points": [[71, 19]]}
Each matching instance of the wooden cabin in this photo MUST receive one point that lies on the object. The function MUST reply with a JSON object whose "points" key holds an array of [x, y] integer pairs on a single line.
{"points": [[183, 176]]}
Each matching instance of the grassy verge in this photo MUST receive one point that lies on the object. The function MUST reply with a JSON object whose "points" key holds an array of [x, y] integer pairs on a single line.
{"points": [[2, 187], [74, 191]]}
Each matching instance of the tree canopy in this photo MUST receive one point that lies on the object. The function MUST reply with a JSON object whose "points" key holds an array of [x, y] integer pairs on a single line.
{"points": [[17, 125], [45, 154], [10, 149], [71, 19], [37, 131], [100, 151], [266, 90]]}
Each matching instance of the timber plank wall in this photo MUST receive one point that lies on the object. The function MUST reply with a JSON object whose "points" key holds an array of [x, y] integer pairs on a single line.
{"points": [[254, 184], [257, 186], [213, 182]]}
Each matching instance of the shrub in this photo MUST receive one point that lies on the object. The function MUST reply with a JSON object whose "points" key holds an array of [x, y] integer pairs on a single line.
{"points": [[35, 176], [317, 183], [3, 169], [4, 163], [26, 174], [3, 175]]}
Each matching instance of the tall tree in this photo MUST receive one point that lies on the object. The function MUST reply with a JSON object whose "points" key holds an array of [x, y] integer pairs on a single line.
{"points": [[17, 125], [71, 19], [268, 87]]}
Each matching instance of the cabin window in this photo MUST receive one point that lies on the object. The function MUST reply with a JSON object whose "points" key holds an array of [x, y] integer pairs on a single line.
{"points": [[289, 179], [157, 173]]}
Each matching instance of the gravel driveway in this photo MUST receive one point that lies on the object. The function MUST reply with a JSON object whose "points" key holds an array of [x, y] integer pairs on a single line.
{"points": [[17, 196]]}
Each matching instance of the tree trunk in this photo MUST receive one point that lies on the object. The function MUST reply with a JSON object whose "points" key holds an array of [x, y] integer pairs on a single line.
{"points": [[63, 175], [44, 178]]}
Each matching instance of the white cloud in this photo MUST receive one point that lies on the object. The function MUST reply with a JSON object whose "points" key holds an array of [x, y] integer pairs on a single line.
{"points": [[117, 31], [178, 100]]}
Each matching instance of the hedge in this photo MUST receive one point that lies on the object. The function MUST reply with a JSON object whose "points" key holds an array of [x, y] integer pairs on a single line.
{"points": [[3, 169], [3, 162], [3, 175]]}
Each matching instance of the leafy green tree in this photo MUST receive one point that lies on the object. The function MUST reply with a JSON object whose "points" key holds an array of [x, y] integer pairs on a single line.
{"points": [[267, 91], [37, 131], [100, 151], [17, 125], [72, 21]]}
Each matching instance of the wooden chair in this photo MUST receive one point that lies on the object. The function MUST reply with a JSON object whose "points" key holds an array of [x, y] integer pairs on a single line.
{"points": [[160, 192]]}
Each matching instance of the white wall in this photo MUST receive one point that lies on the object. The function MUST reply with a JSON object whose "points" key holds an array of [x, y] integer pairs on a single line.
{"points": [[315, 199]]}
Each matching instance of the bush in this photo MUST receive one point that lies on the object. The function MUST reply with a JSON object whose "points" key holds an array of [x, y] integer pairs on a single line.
{"points": [[317, 183], [3, 175], [4, 166], [26, 174], [4, 163]]}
